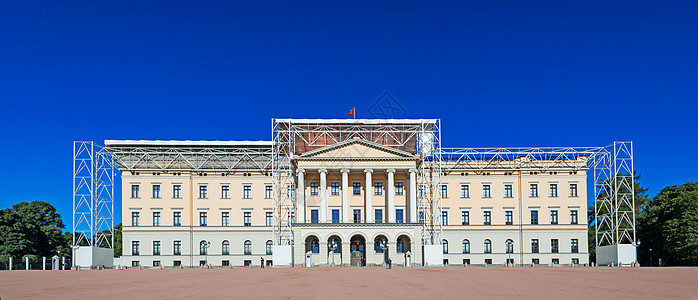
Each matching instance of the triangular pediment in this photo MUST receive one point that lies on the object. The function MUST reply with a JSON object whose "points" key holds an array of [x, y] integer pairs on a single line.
{"points": [[357, 149]]}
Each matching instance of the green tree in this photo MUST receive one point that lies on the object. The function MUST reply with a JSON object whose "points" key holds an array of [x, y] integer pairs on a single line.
{"points": [[641, 201], [117, 241], [668, 225], [30, 228]]}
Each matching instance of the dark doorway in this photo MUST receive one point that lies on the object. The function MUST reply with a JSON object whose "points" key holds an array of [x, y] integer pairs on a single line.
{"points": [[358, 250]]}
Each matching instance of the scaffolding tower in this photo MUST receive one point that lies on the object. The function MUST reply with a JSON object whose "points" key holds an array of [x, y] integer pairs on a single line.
{"points": [[93, 196]]}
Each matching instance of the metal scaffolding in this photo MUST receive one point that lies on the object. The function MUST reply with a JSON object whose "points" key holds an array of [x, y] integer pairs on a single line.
{"points": [[611, 171], [93, 195], [293, 137]]}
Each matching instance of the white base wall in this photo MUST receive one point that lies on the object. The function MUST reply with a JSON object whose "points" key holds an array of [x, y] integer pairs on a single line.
{"points": [[86, 257], [433, 255], [283, 256], [623, 254]]}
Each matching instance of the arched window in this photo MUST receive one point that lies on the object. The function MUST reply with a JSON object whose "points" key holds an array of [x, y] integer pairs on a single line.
{"points": [[466, 246], [400, 246], [248, 247], [203, 246], [488, 246], [270, 245], [226, 248], [315, 246], [510, 246], [445, 244]]}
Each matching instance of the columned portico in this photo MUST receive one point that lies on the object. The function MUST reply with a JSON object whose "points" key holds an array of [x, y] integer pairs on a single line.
{"points": [[323, 195], [345, 196], [413, 196], [391, 195], [301, 196], [369, 196]]}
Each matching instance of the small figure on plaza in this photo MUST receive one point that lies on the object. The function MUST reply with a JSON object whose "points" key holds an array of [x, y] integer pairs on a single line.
{"points": [[262, 262], [390, 263]]}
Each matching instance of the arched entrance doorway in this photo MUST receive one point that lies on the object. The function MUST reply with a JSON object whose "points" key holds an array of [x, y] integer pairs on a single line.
{"points": [[334, 250], [358, 250], [381, 248], [403, 245]]}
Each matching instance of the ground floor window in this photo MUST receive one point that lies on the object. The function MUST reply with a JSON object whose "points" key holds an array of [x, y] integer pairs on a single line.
{"points": [[226, 263], [466, 261], [202, 263], [177, 263], [135, 263], [510, 261], [445, 262], [247, 263], [488, 261], [575, 261], [556, 261], [535, 261], [156, 263]]}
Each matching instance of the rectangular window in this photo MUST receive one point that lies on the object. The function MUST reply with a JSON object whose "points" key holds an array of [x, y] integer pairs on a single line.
{"points": [[509, 217], [334, 188], [177, 218], [177, 263], [508, 191], [135, 191], [465, 191], [291, 217], [554, 246], [488, 261], [534, 217], [246, 192], [156, 247], [156, 218], [486, 191], [533, 190], [225, 263], [135, 263], [399, 189], [225, 191], [135, 248], [225, 218], [574, 217], [177, 248], [553, 190], [203, 192], [268, 191], [314, 188], [444, 218], [356, 188], [534, 246], [422, 218], [378, 188], [314, 216], [553, 217], [269, 218], [203, 218], [575, 261], [156, 191], [465, 217], [399, 216], [247, 218], [335, 216], [443, 191], [135, 218], [556, 261], [177, 191], [379, 216], [575, 246], [156, 263], [357, 216], [573, 190], [535, 261], [487, 218]]}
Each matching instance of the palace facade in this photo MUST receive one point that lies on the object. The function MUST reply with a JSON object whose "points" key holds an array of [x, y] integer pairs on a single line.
{"points": [[355, 200]]}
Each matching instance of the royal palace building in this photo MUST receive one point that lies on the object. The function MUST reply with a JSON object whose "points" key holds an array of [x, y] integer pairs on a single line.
{"points": [[348, 192]]}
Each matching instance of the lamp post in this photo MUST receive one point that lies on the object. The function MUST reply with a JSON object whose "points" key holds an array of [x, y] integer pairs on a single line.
{"points": [[333, 247], [636, 244], [651, 262], [384, 246]]}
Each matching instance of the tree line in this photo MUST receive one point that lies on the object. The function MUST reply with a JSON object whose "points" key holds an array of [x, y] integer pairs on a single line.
{"points": [[35, 228]]}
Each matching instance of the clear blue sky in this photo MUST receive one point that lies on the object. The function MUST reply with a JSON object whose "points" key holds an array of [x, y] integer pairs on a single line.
{"points": [[498, 73]]}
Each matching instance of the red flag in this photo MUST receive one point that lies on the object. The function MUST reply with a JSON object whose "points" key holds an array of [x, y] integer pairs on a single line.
{"points": [[351, 113]]}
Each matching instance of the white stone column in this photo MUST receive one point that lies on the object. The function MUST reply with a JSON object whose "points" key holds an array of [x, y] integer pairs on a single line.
{"points": [[413, 196], [391, 195], [300, 204], [368, 213], [323, 195], [345, 196]]}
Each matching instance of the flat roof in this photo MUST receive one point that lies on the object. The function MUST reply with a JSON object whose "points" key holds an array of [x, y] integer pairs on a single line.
{"points": [[108, 143], [357, 121]]}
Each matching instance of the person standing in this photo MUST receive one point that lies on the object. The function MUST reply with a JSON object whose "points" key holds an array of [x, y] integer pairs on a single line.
{"points": [[390, 263], [262, 262]]}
